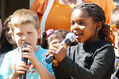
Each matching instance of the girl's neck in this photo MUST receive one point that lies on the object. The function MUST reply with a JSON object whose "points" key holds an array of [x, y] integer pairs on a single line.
{"points": [[66, 2], [92, 40]]}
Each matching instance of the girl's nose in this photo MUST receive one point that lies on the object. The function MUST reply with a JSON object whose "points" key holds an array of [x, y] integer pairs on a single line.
{"points": [[80, 27], [76, 26]]}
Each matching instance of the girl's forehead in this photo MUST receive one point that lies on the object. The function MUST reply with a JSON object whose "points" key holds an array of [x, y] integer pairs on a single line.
{"points": [[78, 14], [80, 10]]}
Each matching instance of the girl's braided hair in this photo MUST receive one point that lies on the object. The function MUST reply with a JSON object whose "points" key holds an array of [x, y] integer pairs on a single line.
{"points": [[98, 15]]}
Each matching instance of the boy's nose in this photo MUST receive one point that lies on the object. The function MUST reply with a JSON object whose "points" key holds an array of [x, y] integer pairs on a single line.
{"points": [[24, 37]]}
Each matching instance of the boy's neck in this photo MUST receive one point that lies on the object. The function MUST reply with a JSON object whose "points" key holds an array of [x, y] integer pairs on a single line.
{"points": [[36, 49]]}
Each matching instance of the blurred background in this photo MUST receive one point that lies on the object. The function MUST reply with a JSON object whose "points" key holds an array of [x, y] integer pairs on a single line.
{"points": [[116, 2], [7, 7]]}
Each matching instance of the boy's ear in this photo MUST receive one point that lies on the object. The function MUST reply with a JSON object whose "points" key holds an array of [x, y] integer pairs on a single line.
{"points": [[12, 34], [99, 26], [39, 33]]}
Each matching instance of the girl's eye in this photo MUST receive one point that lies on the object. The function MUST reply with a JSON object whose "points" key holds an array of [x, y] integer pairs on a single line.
{"points": [[81, 23]]}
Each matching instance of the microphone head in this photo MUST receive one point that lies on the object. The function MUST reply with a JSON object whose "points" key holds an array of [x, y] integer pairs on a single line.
{"points": [[71, 37], [25, 44]]}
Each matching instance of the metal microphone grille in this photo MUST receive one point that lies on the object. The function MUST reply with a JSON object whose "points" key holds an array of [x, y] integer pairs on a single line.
{"points": [[71, 36]]}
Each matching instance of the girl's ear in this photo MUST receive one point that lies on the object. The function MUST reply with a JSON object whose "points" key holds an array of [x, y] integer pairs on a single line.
{"points": [[99, 26], [12, 34], [39, 33]]}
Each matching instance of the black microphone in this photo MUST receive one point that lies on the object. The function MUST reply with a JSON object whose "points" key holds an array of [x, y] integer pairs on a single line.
{"points": [[70, 38], [23, 76]]}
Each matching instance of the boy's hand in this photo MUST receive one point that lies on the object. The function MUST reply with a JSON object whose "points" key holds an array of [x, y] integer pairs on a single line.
{"points": [[20, 68], [30, 55]]}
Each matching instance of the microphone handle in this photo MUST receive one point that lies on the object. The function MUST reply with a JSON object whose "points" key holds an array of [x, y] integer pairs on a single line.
{"points": [[23, 76], [50, 58]]}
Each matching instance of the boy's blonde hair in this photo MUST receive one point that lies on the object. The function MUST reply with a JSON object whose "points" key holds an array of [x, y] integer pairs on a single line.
{"points": [[24, 16]]}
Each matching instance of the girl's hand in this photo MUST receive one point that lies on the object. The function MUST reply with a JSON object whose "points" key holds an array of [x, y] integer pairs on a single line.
{"points": [[55, 62], [59, 51]]}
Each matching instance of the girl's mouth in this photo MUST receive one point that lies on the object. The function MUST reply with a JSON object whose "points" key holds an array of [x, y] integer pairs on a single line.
{"points": [[78, 34], [9, 37]]}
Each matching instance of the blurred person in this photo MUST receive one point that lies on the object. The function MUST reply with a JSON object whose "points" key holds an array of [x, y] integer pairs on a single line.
{"points": [[56, 37], [8, 32], [115, 28], [0, 26], [43, 40], [5, 46]]}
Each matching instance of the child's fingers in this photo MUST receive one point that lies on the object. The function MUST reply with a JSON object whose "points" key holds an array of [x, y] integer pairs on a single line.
{"points": [[55, 46], [47, 54], [21, 65], [26, 55], [20, 72], [21, 68], [53, 49], [28, 49], [55, 63]]}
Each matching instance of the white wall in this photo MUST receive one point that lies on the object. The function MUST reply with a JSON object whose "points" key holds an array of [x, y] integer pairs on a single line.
{"points": [[116, 2], [31, 1]]}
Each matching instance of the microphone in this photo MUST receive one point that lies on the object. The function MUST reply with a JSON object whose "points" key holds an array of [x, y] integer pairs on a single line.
{"points": [[23, 76], [70, 38]]}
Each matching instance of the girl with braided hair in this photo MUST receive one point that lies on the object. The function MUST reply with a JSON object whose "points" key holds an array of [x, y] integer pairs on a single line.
{"points": [[93, 57]]}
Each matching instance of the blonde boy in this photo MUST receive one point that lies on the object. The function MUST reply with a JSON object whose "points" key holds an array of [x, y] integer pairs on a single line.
{"points": [[25, 29]]}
